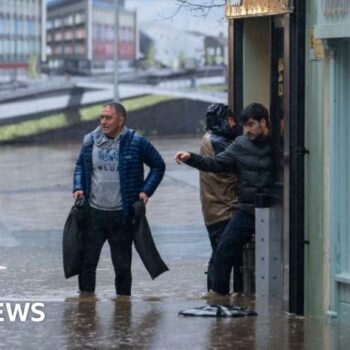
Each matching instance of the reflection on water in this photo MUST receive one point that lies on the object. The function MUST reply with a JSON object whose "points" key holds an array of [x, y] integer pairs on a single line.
{"points": [[86, 323], [137, 324], [80, 324], [134, 324]]}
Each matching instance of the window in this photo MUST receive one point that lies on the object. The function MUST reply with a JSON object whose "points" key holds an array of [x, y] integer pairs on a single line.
{"points": [[49, 24], [79, 18], [68, 35], [57, 22], [80, 49], [80, 33], [57, 49], [68, 21], [2, 26], [58, 36], [110, 33], [68, 49]]}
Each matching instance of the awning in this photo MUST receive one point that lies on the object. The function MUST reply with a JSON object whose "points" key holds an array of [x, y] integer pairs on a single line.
{"points": [[257, 8]]}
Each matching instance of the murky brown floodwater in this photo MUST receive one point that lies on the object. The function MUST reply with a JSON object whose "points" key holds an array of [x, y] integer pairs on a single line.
{"points": [[35, 197]]}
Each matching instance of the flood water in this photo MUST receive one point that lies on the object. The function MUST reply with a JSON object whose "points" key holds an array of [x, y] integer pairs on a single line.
{"points": [[35, 198]]}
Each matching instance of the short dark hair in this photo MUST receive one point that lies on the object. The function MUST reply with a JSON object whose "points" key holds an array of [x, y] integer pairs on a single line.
{"points": [[255, 111], [118, 108]]}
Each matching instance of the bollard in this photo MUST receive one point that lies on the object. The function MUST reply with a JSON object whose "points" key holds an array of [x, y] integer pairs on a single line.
{"points": [[267, 248]]}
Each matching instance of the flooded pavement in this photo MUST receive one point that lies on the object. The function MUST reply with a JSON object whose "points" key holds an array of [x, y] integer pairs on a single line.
{"points": [[35, 197]]}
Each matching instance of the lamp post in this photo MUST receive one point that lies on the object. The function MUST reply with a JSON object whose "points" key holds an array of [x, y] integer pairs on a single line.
{"points": [[116, 34]]}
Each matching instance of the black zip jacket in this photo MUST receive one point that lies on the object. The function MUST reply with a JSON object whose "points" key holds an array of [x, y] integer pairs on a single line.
{"points": [[251, 160]]}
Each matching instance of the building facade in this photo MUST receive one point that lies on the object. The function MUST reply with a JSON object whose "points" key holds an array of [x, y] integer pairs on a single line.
{"points": [[294, 56], [22, 34], [81, 35], [327, 199]]}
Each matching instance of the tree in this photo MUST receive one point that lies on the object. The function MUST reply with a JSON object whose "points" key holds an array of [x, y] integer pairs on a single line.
{"points": [[150, 56], [181, 59], [32, 66]]}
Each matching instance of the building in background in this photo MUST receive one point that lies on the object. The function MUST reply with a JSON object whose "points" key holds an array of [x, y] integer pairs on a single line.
{"points": [[81, 33], [166, 46], [215, 49], [22, 36]]}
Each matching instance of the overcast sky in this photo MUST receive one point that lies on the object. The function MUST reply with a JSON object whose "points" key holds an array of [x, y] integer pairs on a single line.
{"points": [[163, 11]]}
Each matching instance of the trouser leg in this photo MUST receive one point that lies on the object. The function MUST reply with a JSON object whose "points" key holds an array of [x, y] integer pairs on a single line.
{"points": [[238, 273], [93, 240], [215, 232], [120, 241], [238, 231]]}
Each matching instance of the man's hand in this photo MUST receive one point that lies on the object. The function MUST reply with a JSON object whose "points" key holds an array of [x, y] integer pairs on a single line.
{"points": [[182, 156], [78, 195], [143, 197]]}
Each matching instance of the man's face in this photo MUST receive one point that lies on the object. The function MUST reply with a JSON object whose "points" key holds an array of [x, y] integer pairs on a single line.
{"points": [[111, 122], [254, 129]]}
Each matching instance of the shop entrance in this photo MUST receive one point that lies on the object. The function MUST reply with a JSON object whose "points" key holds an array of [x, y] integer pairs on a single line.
{"points": [[265, 66]]}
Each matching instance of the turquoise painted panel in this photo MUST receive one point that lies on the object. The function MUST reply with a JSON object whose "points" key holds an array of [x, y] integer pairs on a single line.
{"points": [[333, 19], [327, 95], [339, 182], [344, 315], [314, 190], [315, 83], [333, 12]]}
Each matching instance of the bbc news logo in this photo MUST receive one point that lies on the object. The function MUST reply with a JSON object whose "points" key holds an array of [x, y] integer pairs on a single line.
{"points": [[13, 312]]}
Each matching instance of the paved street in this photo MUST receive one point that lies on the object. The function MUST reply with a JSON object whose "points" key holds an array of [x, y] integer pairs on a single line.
{"points": [[35, 197]]}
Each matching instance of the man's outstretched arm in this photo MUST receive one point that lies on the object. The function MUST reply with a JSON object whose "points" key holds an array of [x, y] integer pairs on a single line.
{"points": [[223, 162]]}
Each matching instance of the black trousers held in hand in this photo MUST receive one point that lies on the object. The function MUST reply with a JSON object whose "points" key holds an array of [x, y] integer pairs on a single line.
{"points": [[105, 225]]}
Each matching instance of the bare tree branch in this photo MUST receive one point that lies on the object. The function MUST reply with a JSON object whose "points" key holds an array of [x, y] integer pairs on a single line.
{"points": [[203, 8], [199, 6]]}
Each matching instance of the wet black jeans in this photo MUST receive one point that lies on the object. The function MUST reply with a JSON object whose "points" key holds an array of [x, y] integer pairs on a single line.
{"points": [[102, 225], [215, 232], [237, 233]]}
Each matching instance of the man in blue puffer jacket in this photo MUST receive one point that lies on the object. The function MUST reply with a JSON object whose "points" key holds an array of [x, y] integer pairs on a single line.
{"points": [[109, 173]]}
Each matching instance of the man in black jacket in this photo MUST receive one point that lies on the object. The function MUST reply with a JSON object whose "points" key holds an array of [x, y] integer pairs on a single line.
{"points": [[249, 155]]}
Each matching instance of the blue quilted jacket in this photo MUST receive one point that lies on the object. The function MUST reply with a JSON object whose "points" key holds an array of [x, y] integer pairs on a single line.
{"points": [[134, 152]]}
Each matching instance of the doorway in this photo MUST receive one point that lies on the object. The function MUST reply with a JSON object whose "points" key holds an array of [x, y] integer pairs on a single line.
{"points": [[267, 67]]}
